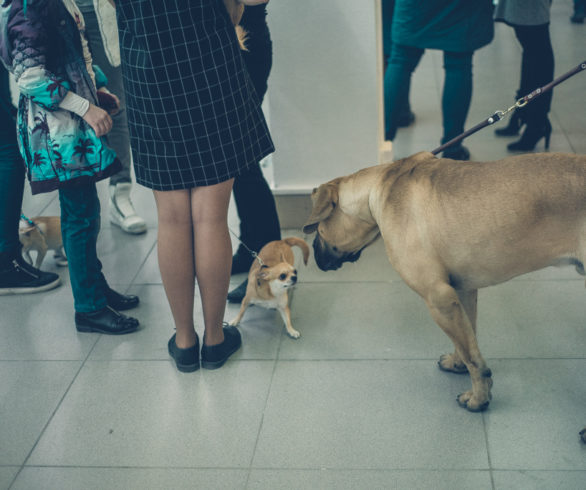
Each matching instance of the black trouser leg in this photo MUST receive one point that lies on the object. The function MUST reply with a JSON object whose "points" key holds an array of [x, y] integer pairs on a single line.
{"points": [[255, 204], [537, 68], [259, 222]]}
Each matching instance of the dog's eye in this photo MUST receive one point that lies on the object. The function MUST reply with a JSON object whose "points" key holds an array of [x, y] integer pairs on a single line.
{"points": [[283, 277]]}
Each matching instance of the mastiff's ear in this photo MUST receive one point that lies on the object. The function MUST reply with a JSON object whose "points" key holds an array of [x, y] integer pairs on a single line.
{"points": [[324, 200]]}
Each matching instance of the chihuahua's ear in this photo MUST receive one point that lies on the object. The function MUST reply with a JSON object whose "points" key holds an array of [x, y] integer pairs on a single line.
{"points": [[324, 199], [263, 273]]}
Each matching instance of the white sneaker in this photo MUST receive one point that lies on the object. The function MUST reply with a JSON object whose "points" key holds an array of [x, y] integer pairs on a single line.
{"points": [[122, 211]]}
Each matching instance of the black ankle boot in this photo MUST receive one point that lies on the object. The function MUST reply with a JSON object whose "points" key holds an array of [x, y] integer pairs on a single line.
{"points": [[513, 128], [531, 136]]}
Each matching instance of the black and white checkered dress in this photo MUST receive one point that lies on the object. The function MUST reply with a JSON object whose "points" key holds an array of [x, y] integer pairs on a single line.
{"points": [[193, 115]]}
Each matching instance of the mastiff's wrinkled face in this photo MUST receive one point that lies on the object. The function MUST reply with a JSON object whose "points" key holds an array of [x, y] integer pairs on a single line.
{"points": [[341, 233]]}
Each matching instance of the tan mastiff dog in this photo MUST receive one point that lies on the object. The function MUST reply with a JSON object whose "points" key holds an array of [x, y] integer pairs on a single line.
{"points": [[453, 227]]}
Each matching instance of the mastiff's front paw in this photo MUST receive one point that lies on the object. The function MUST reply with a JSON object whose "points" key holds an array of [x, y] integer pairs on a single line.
{"points": [[451, 364]]}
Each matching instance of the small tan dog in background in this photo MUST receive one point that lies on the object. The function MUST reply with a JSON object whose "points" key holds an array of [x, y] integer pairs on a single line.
{"points": [[42, 235], [269, 283]]}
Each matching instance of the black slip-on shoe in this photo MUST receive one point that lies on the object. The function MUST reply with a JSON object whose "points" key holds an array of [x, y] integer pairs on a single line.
{"points": [[107, 321], [186, 360], [214, 356], [119, 301], [238, 293]]}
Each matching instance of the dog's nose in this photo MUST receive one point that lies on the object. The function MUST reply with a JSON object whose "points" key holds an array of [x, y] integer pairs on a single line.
{"points": [[293, 279]]}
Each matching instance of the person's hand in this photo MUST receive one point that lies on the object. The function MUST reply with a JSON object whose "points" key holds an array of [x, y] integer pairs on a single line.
{"points": [[253, 2], [108, 101], [99, 120]]}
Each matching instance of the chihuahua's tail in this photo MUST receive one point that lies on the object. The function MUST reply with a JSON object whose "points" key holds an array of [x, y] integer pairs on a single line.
{"points": [[293, 241]]}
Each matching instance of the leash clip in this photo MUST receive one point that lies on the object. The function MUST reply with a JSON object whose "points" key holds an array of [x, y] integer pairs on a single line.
{"points": [[256, 256], [522, 102]]}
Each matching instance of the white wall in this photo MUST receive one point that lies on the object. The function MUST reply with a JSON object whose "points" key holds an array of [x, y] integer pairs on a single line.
{"points": [[323, 97]]}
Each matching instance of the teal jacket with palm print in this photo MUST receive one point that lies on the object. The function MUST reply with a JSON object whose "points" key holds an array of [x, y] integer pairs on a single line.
{"points": [[43, 49]]}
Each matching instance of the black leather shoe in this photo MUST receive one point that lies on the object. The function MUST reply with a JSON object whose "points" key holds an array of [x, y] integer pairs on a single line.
{"points": [[120, 302], [106, 321], [186, 360], [214, 356], [238, 293]]}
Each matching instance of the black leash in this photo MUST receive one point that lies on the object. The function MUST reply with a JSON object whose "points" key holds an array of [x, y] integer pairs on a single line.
{"points": [[498, 115]]}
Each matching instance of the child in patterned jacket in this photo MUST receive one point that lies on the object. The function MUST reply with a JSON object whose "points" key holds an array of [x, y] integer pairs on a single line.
{"points": [[62, 120]]}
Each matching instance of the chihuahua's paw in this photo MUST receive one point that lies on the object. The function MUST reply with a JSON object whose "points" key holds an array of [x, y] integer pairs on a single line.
{"points": [[294, 334]]}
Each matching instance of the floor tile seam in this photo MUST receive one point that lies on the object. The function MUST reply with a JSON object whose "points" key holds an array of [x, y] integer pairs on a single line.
{"points": [[139, 268], [42, 360], [279, 468], [545, 279], [264, 409], [349, 281], [293, 360], [133, 467], [427, 469], [52, 415], [487, 446], [540, 470], [49, 203]]}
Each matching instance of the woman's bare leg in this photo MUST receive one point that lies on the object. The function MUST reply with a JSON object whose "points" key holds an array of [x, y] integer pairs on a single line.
{"points": [[176, 263], [213, 254]]}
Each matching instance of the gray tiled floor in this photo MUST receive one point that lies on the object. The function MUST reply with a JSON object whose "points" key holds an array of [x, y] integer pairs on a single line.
{"points": [[356, 402]]}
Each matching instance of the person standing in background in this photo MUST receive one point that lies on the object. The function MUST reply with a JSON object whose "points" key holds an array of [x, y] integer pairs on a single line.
{"points": [[255, 204], [406, 116], [458, 28], [60, 132], [530, 20], [16, 275], [102, 35]]}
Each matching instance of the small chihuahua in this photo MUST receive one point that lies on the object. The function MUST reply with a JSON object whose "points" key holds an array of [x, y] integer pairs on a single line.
{"points": [[269, 283], [41, 234]]}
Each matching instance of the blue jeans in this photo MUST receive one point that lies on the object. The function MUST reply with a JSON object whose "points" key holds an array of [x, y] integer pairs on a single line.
{"points": [[456, 96], [80, 225]]}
